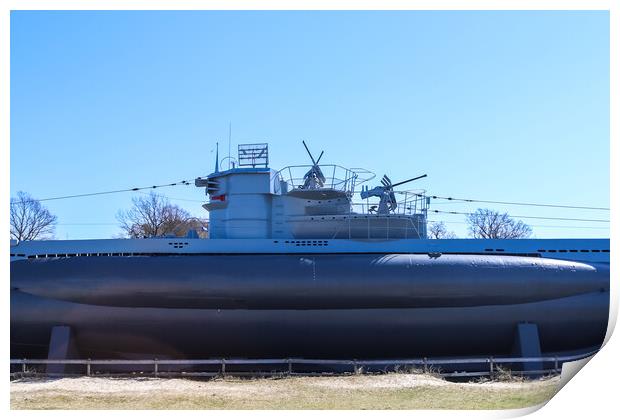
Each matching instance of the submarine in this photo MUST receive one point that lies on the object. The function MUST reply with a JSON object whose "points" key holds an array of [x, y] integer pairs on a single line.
{"points": [[293, 267]]}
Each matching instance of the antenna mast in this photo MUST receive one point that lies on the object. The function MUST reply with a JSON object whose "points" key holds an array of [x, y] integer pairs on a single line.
{"points": [[229, 137]]}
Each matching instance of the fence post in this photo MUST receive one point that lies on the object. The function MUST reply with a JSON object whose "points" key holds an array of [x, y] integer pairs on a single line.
{"points": [[223, 367], [24, 366], [88, 367], [556, 365], [425, 365], [491, 367], [156, 368], [354, 367], [290, 367]]}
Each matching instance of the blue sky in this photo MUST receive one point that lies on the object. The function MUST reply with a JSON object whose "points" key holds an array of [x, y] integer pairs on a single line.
{"points": [[508, 106]]}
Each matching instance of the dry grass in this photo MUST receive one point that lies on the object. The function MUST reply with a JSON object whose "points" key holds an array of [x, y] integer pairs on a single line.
{"points": [[389, 391]]}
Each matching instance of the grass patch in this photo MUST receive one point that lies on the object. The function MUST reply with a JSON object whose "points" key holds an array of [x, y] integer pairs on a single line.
{"points": [[389, 391]]}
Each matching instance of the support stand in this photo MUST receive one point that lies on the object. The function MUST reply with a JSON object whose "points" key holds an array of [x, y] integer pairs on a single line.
{"points": [[60, 348], [527, 344]]}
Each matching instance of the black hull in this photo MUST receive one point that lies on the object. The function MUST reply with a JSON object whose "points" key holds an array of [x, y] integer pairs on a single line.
{"points": [[388, 323], [565, 325]]}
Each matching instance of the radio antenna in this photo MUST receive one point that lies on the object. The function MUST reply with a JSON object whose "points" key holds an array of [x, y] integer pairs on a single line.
{"points": [[229, 137]]}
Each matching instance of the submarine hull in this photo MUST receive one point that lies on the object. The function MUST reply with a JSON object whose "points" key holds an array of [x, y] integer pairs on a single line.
{"points": [[314, 306]]}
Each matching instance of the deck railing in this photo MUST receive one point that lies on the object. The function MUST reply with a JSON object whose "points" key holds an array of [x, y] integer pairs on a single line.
{"points": [[408, 202], [336, 177]]}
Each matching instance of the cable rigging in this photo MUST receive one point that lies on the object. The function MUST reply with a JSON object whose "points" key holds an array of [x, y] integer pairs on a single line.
{"points": [[526, 217], [449, 199], [513, 203], [173, 184]]}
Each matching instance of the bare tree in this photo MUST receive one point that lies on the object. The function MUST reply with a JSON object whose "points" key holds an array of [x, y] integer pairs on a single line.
{"points": [[153, 215], [198, 225], [29, 219], [437, 230], [489, 224]]}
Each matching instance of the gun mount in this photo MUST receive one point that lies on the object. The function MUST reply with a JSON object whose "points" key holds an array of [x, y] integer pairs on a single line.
{"points": [[314, 178], [385, 192]]}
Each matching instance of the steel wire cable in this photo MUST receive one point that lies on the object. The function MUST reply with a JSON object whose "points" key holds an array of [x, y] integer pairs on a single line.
{"points": [[526, 217], [513, 203], [173, 184]]}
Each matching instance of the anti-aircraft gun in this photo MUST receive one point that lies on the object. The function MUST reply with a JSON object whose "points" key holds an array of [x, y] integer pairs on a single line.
{"points": [[314, 178], [385, 192]]}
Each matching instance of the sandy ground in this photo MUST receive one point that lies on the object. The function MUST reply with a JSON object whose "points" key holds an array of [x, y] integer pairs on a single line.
{"points": [[389, 391]]}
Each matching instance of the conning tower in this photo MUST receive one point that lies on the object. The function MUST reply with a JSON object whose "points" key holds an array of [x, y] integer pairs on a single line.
{"points": [[250, 200]]}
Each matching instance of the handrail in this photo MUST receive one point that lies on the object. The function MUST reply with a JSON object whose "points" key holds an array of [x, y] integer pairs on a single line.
{"points": [[409, 219], [337, 177], [305, 361], [426, 363]]}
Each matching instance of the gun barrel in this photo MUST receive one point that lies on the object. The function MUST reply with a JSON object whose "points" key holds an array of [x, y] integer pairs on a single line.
{"points": [[308, 150], [409, 180]]}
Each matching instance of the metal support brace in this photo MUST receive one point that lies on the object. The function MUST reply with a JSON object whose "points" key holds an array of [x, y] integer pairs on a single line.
{"points": [[60, 348], [527, 344]]}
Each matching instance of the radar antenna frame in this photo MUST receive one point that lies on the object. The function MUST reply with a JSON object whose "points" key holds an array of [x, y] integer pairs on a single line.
{"points": [[253, 154]]}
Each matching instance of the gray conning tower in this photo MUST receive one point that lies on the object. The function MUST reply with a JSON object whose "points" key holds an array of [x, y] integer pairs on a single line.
{"points": [[250, 200]]}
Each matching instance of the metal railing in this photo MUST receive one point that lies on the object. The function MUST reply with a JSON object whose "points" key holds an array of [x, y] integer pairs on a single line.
{"points": [[408, 202], [410, 227], [493, 366], [410, 212], [336, 177]]}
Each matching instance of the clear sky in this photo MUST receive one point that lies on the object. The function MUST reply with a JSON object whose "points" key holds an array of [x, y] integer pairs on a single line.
{"points": [[508, 106]]}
